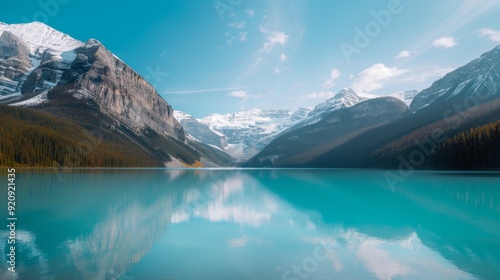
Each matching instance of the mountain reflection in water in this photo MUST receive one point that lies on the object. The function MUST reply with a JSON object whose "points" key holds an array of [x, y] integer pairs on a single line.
{"points": [[255, 224]]}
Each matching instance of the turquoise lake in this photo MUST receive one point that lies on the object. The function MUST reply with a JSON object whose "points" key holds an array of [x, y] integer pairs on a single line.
{"points": [[253, 224]]}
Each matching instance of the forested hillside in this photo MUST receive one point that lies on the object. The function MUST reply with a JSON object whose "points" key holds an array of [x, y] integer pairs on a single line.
{"points": [[478, 148], [467, 140], [36, 139]]}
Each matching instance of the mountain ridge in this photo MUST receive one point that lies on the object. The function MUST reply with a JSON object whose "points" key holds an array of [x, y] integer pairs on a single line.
{"points": [[297, 147], [469, 81], [247, 132], [51, 72], [230, 132], [437, 115], [79, 81]]}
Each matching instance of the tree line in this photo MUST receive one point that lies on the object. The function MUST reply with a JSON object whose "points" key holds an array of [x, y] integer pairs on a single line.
{"points": [[37, 139]]}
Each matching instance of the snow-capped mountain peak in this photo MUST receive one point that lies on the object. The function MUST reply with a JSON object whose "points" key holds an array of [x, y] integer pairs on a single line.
{"points": [[33, 58], [40, 37], [345, 93], [248, 132], [180, 116], [343, 99], [243, 119], [92, 43]]}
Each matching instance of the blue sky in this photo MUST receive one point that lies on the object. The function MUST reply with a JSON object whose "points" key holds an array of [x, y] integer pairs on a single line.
{"points": [[229, 55]]}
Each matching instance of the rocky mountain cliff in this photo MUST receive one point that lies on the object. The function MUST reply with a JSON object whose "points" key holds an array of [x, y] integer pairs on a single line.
{"points": [[478, 80], [44, 69], [97, 75], [37, 58]]}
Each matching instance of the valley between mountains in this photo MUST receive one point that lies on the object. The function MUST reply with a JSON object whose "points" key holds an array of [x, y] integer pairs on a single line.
{"points": [[66, 103]]}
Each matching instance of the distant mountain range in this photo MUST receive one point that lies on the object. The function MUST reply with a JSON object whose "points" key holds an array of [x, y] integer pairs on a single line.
{"points": [[75, 104], [245, 134], [299, 146], [454, 124]]}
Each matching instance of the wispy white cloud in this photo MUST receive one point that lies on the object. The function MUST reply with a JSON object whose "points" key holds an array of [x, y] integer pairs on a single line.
{"points": [[243, 36], [237, 24], [192, 91], [239, 94], [276, 38], [283, 57], [250, 13], [374, 77], [280, 69], [242, 242], [243, 95], [455, 19], [263, 29], [445, 42], [493, 35], [403, 54], [330, 81]]}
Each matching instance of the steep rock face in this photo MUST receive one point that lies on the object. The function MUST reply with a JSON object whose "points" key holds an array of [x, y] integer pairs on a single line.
{"points": [[480, 78], [48, 73], [43, 68], [14, 63], [120, 92]]}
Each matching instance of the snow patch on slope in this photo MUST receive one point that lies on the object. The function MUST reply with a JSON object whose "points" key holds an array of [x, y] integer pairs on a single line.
{"points": [[181, 116], [46, 46], [458, 89], [405, 96], [248, 132], [36, 100]]}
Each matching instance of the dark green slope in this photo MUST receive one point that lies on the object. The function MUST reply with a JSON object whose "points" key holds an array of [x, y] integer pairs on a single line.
{"points": [[69, 132], [298, 147], [413, 139], [37, 139]]}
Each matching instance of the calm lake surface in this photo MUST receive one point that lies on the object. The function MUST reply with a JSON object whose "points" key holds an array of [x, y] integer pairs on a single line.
{"points": [[253, 224]]}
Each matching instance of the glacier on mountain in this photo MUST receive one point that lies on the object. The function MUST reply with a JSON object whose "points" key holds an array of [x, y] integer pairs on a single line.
{"points": [[247, 133]]}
